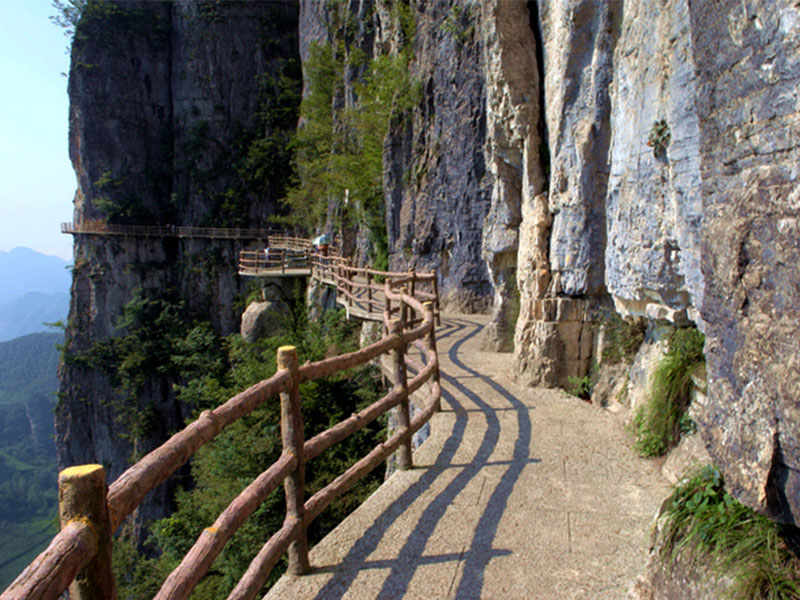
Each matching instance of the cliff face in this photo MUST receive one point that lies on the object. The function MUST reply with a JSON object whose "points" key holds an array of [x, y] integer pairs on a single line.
{"points": [[436, 182], [563, 160], [170, 106], [747, 61]]}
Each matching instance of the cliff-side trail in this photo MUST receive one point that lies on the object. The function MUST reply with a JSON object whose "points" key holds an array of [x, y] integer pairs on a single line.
{"points": [[518, 493]]}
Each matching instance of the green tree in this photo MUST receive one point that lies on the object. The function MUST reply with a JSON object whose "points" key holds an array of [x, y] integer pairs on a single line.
{"points": [[221, 469], [339, 149]]}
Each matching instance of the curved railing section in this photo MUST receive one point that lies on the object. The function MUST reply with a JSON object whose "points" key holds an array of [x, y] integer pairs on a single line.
{"points": [[79, 557], [358, 289]]}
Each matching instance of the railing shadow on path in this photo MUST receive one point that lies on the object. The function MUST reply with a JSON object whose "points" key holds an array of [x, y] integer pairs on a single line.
{"points": [[480, 551]]}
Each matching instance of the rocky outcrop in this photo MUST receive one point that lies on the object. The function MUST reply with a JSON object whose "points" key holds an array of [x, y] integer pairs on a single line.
{"points": [[654, 207], [513, 149], [259, 320], [172, 108], [747, 59], [561, 267]]}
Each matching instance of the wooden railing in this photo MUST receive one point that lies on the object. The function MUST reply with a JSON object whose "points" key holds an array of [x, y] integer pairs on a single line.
{"points": [[79, 557], [277, 259], [358, 289]]}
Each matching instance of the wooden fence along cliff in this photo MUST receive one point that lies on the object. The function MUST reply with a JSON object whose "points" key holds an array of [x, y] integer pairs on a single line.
{"points": [[79, 556]]}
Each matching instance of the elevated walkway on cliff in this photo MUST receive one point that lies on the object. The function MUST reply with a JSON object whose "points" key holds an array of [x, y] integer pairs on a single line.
{"points": [[518, 493], [359, 290], [102, 228]]}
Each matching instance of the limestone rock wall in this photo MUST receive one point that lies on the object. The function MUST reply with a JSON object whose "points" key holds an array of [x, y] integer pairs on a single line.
{"points": [[747, 58], [436, 182], [654, 206], [700, 228], [561, 264], [513, 148]]}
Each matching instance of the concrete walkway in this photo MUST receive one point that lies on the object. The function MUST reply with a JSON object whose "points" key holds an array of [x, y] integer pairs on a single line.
{"points": [[518, 493]]}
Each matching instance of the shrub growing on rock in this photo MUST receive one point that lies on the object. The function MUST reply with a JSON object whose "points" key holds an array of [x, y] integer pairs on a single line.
{"points": [[659, 422]]}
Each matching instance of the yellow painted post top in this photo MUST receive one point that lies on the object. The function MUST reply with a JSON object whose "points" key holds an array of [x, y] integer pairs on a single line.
{"points": [[287, 358], [80, 471]]}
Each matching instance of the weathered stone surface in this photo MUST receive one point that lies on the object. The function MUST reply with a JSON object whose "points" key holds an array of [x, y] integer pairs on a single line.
{"points": [[436, 184], [569, 242], [371, 332], [259, 320], [579, 41], [641, 370], [610, 387], [320, 298], [679, 581], [654, 208], [748, 75], [690, 454], [512, 151]]}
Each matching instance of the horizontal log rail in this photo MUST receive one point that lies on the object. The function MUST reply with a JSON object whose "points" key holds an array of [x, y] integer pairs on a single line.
{"points": [[79, 555]]}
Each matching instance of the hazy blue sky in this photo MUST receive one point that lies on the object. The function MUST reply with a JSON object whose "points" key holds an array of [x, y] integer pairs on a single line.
{"points": [[36, 179]]}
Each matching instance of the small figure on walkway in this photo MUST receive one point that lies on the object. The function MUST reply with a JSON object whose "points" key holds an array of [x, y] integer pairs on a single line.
{"points": [[321, 244]]}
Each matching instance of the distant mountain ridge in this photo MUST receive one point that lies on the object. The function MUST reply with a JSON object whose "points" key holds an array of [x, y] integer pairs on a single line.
{"points": [[29, 313], [23, 270], [34, 289], [28, 386]]}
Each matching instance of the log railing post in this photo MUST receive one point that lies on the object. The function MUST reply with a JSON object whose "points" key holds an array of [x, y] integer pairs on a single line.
{"points": [[345, 275], [436, 300], [404, 308], [82, 497], [349, 279], [369, 291], [387, 309], [404, 459], [293, 440], [283, 260], [428, 310]]}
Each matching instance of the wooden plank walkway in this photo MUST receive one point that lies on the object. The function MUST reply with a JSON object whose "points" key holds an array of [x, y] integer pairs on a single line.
{"points": [[519, 493]]}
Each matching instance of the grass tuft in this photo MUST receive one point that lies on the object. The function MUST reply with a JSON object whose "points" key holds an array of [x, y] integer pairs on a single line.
{"points": [[704, 524], [659, 423]]}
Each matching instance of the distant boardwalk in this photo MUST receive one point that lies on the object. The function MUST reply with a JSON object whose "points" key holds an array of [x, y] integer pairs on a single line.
{"points": [[102, 228]]}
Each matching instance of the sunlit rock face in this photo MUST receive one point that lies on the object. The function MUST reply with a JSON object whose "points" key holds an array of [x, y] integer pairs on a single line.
{"points": [[513, 148], [747, 59], [672, 195], [563, 232]]}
